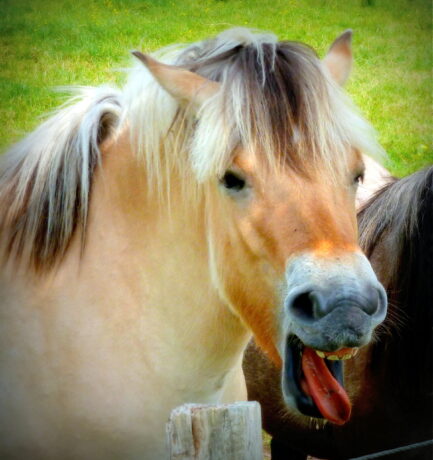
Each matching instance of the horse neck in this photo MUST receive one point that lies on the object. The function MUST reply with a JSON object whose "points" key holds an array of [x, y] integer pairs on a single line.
{"points": [[159, 256]]}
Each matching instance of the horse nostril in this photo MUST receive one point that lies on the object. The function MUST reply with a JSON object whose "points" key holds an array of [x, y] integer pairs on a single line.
{"points": [[372, 301], [307, 305]]}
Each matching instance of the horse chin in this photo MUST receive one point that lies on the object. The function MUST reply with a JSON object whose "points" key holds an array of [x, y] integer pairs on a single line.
{"points": [[295, 388]]}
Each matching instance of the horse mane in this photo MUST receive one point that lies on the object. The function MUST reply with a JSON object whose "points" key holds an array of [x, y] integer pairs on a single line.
{"points": [[45, 180], [276, 99], [396, 226]]}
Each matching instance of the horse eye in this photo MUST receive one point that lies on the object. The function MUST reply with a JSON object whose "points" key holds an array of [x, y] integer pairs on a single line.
{"points": [[233, 181], [359, 178]]}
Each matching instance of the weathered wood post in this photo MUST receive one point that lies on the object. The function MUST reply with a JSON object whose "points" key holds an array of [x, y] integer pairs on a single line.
{"points": [[215, 432]]}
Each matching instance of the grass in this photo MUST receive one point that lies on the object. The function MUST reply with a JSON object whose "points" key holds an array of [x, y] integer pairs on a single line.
{"points": [[47, 43]]}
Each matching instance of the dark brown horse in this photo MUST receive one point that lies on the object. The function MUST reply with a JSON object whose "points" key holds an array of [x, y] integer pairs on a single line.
{"points": [[390, 381]]}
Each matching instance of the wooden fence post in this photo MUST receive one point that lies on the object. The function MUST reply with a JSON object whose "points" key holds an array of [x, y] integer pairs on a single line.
{"points": [[215, 432]]}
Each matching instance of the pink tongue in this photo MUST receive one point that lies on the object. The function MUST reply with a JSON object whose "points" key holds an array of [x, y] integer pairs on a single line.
{"points": [[329, 396]]}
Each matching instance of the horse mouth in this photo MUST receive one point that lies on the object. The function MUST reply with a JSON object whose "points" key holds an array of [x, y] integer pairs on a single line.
{"points": [[314, 380]]}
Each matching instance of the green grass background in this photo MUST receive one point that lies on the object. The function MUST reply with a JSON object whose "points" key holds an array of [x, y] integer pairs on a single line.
{"points": [[47, 43]]}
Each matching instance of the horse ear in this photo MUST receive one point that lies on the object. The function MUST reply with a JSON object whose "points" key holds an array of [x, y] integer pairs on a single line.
{"points": [[339, 58], [185, 86]]}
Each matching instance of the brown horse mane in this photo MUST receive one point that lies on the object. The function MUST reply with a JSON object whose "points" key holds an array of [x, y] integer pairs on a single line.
{"points": [[397, 226]]}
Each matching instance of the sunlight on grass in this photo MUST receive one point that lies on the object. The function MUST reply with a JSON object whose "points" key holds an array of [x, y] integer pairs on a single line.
{"points": [[47, 43]]}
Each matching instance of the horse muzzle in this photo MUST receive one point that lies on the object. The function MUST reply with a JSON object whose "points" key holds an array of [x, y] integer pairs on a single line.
{"points": [[331, 308]]}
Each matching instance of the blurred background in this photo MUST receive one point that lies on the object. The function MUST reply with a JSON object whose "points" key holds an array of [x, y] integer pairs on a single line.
{"points": [[49, 43]]}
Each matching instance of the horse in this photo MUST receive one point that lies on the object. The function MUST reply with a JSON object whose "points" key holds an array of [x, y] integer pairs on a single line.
{"points": [[390, 380], [148, 231]]}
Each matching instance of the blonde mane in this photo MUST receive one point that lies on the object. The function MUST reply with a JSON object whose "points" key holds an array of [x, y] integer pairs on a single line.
{"points": [[276, 99]]}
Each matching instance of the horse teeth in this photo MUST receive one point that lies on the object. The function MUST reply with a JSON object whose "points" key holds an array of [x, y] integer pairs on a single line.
{"points": [[338, 356]]}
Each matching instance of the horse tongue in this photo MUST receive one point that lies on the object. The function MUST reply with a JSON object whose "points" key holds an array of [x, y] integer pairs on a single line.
{"points": [[329, 396]]}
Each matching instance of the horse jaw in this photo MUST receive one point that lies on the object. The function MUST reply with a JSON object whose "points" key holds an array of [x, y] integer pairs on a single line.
{"points": [[339, 58]]}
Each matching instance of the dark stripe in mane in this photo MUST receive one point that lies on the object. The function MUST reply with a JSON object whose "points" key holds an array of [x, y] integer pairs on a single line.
{"points": [[46, 179], [283, 90]]}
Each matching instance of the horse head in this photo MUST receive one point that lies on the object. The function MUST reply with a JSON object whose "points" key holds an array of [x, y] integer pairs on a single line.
{"points": [[280, 199]]}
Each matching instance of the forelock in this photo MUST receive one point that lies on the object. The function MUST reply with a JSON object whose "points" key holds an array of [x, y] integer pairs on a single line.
{"points": [[276, 100]]}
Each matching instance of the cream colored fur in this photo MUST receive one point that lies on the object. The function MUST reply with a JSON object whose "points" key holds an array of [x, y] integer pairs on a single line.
{"points": [[110, 344]]}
